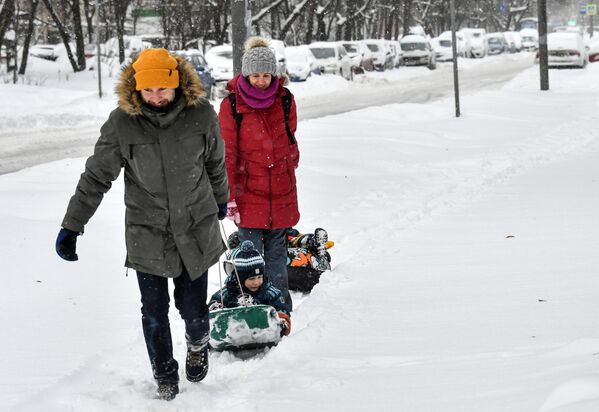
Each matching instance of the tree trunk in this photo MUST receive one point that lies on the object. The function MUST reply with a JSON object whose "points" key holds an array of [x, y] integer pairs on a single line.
{"points": [[89, 14], [119, 8], [78, 29], [310, 20], [63, 34], [7, 11], [28, 34], [407, 16]]}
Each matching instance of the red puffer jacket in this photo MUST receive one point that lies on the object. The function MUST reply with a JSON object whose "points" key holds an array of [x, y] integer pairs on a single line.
{"points": [[261, 161]]}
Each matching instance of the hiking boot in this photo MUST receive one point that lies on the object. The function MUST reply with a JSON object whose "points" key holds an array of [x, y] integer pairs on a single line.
{"points": [[320, 263], [196, 364], [167, 391], [320, 241]]}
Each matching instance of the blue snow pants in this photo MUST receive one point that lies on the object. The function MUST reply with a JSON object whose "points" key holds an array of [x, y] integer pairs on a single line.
{"points": [[190, 300]]}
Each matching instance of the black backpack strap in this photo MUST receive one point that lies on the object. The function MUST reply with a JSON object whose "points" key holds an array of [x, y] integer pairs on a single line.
{"points": [[286, 109], [286, 98], [238, 116]]}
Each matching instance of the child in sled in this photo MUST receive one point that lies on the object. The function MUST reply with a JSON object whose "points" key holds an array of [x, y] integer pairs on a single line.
{"points": [[309, 249], [245, 268]]}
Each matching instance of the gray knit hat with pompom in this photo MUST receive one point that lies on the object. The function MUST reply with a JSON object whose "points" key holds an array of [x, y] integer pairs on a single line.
{"points": [[258, 58]]}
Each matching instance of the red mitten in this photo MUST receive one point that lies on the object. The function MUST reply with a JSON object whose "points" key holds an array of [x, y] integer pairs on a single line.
{"points": [[286, 322], [233, 212]]}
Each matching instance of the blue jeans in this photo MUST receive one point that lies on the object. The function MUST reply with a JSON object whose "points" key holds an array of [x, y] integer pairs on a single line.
{"points": [[190, 300], [272, 243]]}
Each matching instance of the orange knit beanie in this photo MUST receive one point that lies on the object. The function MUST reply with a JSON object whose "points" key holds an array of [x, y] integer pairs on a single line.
{"points": [[156, 68]]}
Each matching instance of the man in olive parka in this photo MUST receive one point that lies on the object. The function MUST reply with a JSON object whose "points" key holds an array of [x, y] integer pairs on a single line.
{"points": [[165, 135]]}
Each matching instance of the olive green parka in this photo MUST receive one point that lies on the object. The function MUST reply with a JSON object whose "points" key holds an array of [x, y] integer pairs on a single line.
{"points": [[174, 178]]}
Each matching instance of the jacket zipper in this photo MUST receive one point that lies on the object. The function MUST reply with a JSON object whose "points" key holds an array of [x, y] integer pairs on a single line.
{"points": [[270, 197]]}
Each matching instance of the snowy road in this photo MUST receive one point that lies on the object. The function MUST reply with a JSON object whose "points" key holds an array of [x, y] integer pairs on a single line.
{"points": [[28, 147], [432, 86], [464, 271]]}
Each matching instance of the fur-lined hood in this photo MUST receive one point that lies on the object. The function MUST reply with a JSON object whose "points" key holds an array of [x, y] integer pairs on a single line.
{"points": [[129, 99]]}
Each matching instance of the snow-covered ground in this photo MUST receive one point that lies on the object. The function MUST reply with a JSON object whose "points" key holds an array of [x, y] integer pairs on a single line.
{"points": [[464, 271]]}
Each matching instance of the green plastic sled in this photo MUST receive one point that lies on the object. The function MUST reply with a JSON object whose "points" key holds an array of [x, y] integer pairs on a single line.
{"points": [[244, 327]]}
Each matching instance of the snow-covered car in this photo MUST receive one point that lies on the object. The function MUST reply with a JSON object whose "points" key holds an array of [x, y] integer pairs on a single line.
{"points": [[332, 58], [396, 52], [300, 63], [593, 49], [381, 55], [278, 47], [514, 40], [496, 43], [220, 58], [417, 51], [476, 42], [204, 71], [44, 51], [565, 49], [443, 49], [360, 55], [530, 39]]}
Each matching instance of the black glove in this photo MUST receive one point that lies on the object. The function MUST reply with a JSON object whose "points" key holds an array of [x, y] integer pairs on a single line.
{"points": [[222, 211], [66, 243]]}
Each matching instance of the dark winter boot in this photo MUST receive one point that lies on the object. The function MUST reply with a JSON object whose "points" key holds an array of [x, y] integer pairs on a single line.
{"points": [[196, 364], [320, 242], [167, 391]]}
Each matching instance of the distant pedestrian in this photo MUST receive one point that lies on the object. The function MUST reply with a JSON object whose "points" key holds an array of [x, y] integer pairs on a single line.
{"points": [[165, 136], [258, 122]]}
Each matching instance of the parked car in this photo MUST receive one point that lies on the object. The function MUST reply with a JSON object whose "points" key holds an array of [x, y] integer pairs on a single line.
{"points": [[278, 47], [417, 51], [496, 43], [396, 52], [476, 44], [220, 58], [300, 63], [530, 39], [132, 45], [198, 61], [381, 55], [565, 49], [360, 56], [514, 40], [443, 49], [332, 58], [593, 49], [44, 51]]}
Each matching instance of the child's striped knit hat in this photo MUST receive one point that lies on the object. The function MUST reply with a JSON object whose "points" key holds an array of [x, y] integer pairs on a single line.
{"points": [[248, 261]]}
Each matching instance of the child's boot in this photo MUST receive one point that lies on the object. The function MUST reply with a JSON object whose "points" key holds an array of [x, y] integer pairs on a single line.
{"points": [[320, 243]]}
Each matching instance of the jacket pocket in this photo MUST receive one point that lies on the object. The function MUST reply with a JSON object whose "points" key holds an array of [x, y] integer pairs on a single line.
{"points": [[205, 226], [282, 179], [145, 234]]}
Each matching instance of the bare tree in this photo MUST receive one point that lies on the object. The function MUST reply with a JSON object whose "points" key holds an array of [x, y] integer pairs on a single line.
{"points": [[64, 35], [28, 34], [7, 12], [119, 11], [78, 30]]}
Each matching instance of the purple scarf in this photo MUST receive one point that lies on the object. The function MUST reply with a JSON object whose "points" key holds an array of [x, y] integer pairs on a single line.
{"points": [[256, 98]]}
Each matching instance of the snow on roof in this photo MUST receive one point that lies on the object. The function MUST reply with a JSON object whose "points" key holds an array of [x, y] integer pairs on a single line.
{"points": [[412, 38], [562, 40]]}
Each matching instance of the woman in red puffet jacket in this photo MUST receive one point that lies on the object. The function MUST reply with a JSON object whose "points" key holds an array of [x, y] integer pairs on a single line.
{"points": [[258, 121]]}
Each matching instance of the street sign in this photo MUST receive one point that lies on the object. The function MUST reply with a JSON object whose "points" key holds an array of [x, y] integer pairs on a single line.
{"points": [[591, 9], [582, 8]]}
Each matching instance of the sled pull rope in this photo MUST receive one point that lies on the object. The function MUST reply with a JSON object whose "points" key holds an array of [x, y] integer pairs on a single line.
{"points": [[234, 269]]}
